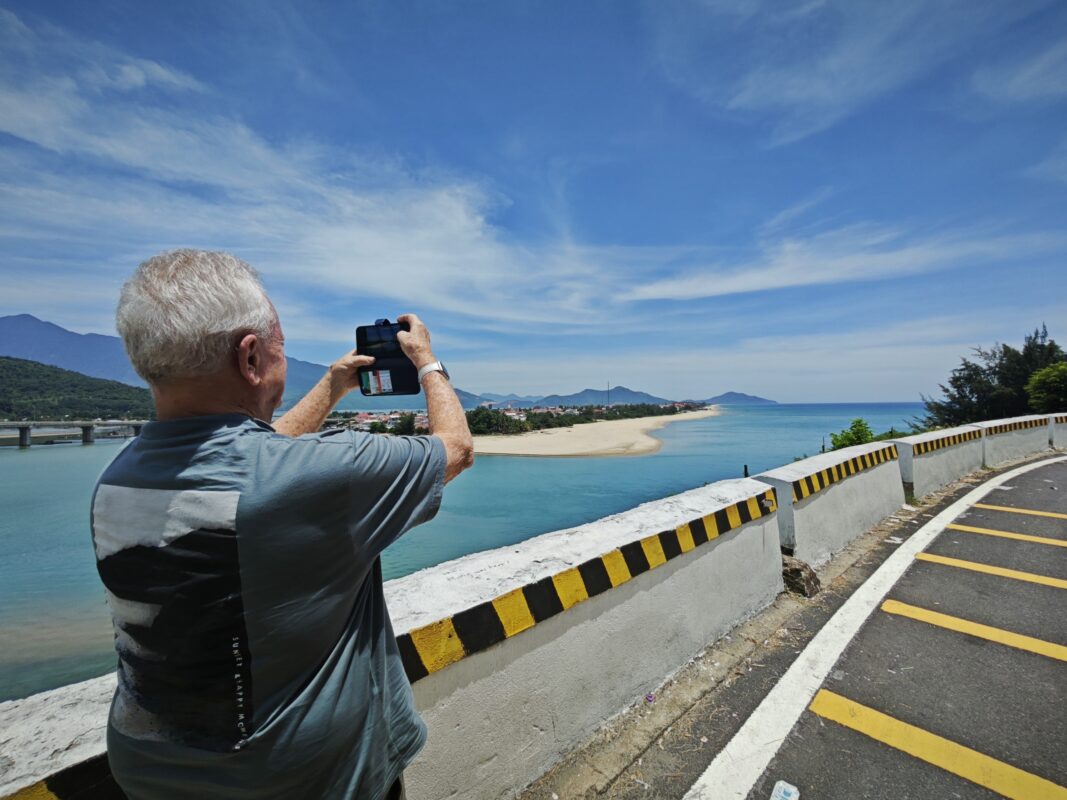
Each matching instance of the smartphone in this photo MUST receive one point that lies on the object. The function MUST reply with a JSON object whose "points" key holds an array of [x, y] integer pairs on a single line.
{"points": [[392, 372]]}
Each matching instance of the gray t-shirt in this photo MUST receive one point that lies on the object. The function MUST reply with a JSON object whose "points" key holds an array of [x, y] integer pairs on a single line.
{"points": [[256, 655]]}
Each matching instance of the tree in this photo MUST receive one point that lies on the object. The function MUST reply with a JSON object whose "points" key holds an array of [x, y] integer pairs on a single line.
{"points": [[993, 384], [405, 426], [1047, 388], [859, 432]]}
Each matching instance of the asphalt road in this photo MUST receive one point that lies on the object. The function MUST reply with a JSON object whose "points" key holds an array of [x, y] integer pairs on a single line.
{"points": [[924, 703]]}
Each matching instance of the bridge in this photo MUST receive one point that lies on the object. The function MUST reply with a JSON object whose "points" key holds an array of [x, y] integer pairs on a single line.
{"points": [[88, 428]]}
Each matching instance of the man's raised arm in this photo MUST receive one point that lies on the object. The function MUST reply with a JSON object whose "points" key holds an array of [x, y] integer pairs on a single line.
{"points": [[448, 421], [308, 415]]}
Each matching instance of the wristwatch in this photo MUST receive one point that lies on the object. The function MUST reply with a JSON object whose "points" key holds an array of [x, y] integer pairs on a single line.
{"points": [[435, 366]]}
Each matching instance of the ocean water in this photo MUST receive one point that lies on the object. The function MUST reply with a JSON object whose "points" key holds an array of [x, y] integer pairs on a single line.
{"points": [[54, 625]]}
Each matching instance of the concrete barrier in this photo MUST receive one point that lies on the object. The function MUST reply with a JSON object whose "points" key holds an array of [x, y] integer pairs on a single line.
{"points": [[1057, 437], [516, 654], [929, 461], [836, 496], [1017, 437]]}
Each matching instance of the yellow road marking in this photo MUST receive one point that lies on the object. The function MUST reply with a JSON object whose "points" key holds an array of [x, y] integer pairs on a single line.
{"points": [[988, 569], [1016, 640], [1030, 511], [1022, 537], [969, 764]]}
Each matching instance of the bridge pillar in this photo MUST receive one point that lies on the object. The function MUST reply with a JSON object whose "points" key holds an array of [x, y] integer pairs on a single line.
{"points": [[87, 434], [136, 430], [24, 436]]}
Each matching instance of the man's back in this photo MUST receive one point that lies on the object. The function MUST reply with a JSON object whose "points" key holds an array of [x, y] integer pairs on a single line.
{"points": [[256, 654]]}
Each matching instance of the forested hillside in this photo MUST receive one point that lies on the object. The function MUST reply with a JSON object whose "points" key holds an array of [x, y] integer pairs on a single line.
{"points": [[29, 390]]}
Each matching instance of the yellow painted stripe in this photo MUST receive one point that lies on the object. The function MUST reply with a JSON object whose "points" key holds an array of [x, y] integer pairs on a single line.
{"points": [[711, 525], [438, 644], [653, 551], [754, 510], [514, 612], [988, 569], [570, 587], [1022, 537], [39, 791], [615, 564], [1030, 511], [772, 500], [987, 632], [734, 516], [685, 537], [969, 764]]}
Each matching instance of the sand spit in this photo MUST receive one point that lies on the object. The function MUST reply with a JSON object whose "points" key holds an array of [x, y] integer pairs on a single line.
{"points": [[617, 437]]}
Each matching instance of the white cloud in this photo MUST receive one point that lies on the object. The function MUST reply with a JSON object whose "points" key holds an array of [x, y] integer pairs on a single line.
{"points": [[154, 171], [1040, 77], [805, 66], [842, 255], [893, 361]]}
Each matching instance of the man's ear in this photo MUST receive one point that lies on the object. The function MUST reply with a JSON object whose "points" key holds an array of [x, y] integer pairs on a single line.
{"points": [[249, 359]]}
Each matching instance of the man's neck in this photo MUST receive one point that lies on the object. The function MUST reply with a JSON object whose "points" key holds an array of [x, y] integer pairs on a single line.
{"points": [[201, 398]]}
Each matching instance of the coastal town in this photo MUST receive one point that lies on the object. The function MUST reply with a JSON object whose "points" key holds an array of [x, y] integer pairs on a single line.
{"points": [[391, 421]]}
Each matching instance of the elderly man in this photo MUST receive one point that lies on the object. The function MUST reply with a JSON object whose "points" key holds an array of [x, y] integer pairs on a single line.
{"points": [[241, 558]]}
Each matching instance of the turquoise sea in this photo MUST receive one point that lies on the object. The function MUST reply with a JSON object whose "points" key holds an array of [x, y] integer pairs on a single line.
{"points": [[54, 626]]}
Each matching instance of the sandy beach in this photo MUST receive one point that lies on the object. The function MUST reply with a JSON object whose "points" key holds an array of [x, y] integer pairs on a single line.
{"points": [[618, 437]]}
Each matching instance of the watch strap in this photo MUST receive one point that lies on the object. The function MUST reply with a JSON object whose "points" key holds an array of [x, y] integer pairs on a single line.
{"points": [[435, 366]]}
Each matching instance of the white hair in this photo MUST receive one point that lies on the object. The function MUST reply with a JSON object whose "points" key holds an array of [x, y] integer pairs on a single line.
{"points": [[182, 312]]}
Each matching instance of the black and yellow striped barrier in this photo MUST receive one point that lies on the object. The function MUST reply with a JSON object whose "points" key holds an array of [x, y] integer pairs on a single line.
{"points": [[817, 481], [433, 647], [1061, 420], [920, 448], [1007, 427], [90, 780]]}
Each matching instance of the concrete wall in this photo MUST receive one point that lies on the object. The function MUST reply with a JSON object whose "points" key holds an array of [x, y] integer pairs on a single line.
{"points": [[1017, 437], [516, 654], [929, 461], [1058, 432], [501, 716], [836, 497]]}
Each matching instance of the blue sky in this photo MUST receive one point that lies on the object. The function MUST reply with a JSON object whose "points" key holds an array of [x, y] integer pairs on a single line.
{"points": [[811, 201]]}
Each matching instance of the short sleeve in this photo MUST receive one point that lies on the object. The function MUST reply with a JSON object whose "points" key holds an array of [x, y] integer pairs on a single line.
{"points": [[372, 487], [396, 484]]}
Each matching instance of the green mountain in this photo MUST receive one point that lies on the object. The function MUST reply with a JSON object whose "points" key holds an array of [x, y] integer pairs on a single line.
{"points": [[29, 390]]}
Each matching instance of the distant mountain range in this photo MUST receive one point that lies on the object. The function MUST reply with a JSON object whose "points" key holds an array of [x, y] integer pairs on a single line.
{"points": [[27, 337], [739, 399]]}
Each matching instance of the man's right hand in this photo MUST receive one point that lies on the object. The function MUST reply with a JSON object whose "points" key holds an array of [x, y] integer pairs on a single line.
{"points": [[415, 342]]}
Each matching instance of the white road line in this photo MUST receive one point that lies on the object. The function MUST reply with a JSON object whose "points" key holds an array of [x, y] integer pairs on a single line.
{"points": [[740, 764]]}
